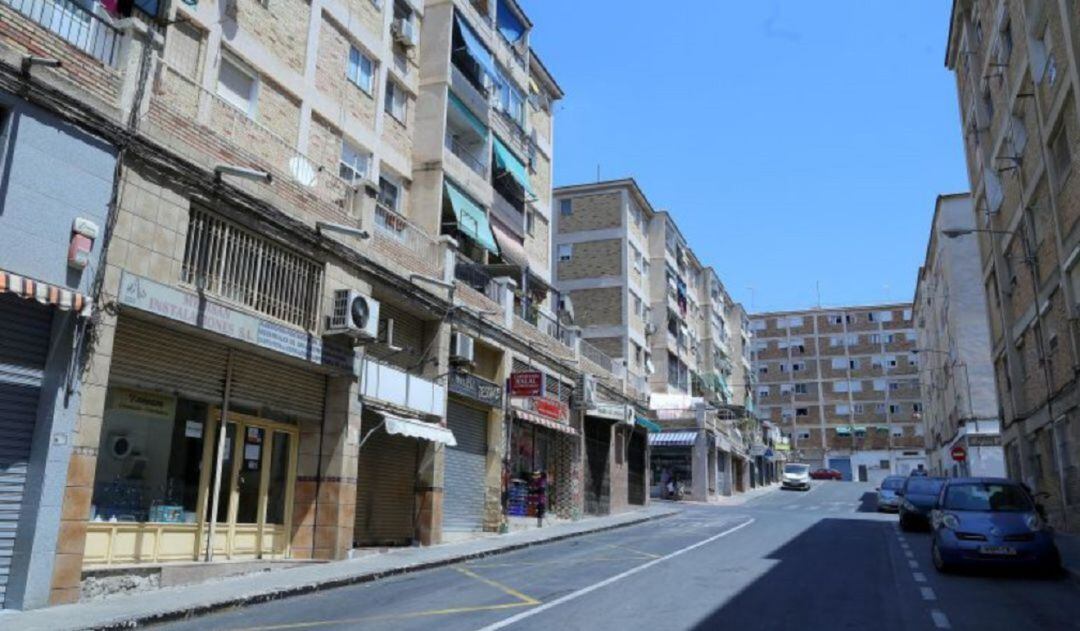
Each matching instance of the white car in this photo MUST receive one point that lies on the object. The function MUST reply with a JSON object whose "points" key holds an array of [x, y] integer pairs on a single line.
{"points": [[796, 476]]}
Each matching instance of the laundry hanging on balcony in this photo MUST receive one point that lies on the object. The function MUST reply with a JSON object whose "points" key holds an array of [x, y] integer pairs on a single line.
{"points": [[507, 161], [471, 218]]}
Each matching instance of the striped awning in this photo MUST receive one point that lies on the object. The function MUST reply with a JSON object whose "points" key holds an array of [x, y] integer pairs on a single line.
{"points": [[46, 294], [543, 421], [673, 439]]}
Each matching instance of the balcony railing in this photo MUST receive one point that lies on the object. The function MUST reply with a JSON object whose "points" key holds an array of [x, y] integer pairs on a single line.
{"points": [[74, 24], [394, 385], [597, 356], [550, 326], [467, 155], [473, 275], [393, 227]]}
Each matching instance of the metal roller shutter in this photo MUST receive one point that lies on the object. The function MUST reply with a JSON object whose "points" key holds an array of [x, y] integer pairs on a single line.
{"points": [[24, 344], [280, 387], [147, 355], [464, 479], [385, 487]]}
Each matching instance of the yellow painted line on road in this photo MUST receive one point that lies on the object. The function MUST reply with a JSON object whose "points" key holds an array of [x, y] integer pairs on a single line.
{"points": [[549, 563], [523, 601], [648, 555]]}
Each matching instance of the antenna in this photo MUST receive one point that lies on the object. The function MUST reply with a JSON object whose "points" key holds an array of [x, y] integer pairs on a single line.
{"points": [[597, 171]]}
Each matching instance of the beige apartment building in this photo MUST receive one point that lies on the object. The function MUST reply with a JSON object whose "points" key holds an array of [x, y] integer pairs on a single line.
{"points": [[955, 371], [1017, 78], [327, 252], [842, 384]]}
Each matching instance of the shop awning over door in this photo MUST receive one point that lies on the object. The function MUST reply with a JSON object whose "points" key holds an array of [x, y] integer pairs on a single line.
{"points": [[46, 294], [543, 421], [471, 218], [673, 439], [415, 428], [507, 161]]}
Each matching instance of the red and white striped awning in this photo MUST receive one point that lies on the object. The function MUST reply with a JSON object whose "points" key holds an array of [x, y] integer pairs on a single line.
{"points": [[46, 294], [543, 421]]}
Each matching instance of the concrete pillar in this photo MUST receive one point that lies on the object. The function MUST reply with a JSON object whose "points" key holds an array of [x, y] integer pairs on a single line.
{"points": [[498, 437], [725, 464], [699, 464], [429, 477], [447, 257], [506, 286]]}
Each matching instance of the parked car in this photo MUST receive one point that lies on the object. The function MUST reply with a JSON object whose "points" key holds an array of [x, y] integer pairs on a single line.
{"points": [[826, 474], [796, 476], [887, 499], [990, 521], [917, 498]]}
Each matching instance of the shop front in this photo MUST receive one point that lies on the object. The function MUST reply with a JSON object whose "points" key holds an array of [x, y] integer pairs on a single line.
{"points": [[672, 461], [608, 425], [541, 468], [474, 406]]}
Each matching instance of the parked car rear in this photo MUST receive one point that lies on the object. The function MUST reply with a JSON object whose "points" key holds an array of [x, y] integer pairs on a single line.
{"points": [[917, 499], [990, 521], [887, 498]]}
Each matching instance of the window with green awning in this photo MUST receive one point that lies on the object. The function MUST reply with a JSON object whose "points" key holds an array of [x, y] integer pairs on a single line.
{"points": [[475, 122], [472, 221], [507, 161]]}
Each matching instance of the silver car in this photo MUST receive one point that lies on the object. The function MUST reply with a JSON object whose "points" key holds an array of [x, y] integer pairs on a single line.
{"points": [[796, 476], [887, 499]]}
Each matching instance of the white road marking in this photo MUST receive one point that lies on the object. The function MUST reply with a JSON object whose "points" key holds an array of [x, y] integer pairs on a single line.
{"points": [[941, 621], [913, 564], [919, 577], [909, 554], [928, 593], [608, 581]]}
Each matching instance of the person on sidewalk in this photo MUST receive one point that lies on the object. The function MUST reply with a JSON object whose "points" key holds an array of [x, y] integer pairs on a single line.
{"points": [[539, 491]]}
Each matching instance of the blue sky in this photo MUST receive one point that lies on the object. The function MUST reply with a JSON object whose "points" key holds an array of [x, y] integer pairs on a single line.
{"points": [[795, 142]]}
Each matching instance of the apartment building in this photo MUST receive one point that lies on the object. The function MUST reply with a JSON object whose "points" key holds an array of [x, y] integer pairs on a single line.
{"points": [[1016, 76], [299, 304], [842, 383], [956, 375]]}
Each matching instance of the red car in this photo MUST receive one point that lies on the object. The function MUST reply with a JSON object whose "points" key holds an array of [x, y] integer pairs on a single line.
{"points": [[826, 474]]}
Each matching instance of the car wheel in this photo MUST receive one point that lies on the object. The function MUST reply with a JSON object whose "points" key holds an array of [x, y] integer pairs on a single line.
{"points": [[939, 562]]}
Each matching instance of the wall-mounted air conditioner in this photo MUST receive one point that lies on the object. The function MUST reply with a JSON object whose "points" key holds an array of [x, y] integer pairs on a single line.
{"points": [[354, 315], [462, 349], [405, 32]]}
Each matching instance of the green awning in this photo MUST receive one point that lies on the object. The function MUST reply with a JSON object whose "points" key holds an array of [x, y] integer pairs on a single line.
{"points": [[507, 161], [477, 125], [859, 429], [471, 218], [647, 424], [843, 430]]}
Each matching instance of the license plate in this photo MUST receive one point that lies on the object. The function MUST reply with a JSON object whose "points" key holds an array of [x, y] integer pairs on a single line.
{"points": [[997, 550]]}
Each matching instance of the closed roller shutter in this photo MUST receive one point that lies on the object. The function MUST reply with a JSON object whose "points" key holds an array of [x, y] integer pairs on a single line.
{"points": [[385, 487], [277, 386], [24, 344], [464, 484], [147, 355]]}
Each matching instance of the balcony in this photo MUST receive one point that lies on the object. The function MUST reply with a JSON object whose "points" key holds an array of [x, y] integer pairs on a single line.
{"points": [[78, 26], [474, 275], [551, 327], [394, 232], [597, 356], [393, 385]]}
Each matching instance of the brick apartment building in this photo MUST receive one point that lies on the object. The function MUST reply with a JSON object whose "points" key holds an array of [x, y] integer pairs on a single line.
{"points": [[245, 183], [842, 384], [1016, 69]]}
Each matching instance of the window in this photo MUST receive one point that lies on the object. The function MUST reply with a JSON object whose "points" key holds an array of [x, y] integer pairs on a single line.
{"points": [[891, 361], [836, 319], [1060, 153], [237, 84], [361, 70], [183, 50], [798, 366], [859, 408], [802, 412], [879, 408], [804, 434], [894, 386], [885, 316], [800, 388], [875, 338], [354, 163], [870, 317], [879, 385], [636, 305], [757, 325], [530, 223], [785, 388], [843, 409], [764, 370], [389, 193], [907, 314], [763, 393], [894, 408], [841, 386], [637, 259], [783, 367], [566, 207], [839, 363], [566, 251], [916, 408], [396, 103], [897, 431], [854, 364], [836, 340]]}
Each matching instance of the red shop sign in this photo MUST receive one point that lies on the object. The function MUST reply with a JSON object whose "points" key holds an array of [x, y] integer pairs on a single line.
{"points": [[550, 408], [527, 384]]}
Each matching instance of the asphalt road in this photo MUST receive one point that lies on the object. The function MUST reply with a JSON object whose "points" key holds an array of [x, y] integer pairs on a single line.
{"points": [[823, 559]]}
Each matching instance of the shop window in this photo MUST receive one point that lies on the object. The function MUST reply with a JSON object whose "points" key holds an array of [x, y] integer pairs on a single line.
{"points": [[149, 460]]}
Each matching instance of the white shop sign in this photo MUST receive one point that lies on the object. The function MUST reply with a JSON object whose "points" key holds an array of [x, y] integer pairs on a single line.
{"points": [[613, 411]]}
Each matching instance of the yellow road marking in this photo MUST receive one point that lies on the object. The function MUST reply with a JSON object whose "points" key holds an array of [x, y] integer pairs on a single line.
{"points": [[641, 552], [523, 601], [546, 563]]}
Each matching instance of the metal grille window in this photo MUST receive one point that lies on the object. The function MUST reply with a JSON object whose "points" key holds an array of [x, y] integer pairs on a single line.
{"points": [[240, 266]]}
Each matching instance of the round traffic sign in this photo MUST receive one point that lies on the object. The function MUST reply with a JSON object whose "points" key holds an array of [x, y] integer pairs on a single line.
{"points": [[959, 454]]}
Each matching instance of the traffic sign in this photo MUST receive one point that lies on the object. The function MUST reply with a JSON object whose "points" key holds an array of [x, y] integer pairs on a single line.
{"points": [[959, 453]]}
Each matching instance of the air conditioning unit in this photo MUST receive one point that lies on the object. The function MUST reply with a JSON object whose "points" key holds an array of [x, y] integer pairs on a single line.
{"points": [[354, 315], [404, 32], [462, 349], [650, 328]]}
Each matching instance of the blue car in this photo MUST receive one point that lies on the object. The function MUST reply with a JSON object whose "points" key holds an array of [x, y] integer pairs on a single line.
{"points": [[987, 522], [918, 497]]}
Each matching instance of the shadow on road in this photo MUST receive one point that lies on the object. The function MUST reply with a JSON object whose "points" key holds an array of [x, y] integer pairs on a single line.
{"points": [[868, 503]]}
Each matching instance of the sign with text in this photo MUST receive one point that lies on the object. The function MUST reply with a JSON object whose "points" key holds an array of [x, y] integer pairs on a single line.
{"points": [[527, 384], [550, 408], [475, 388], [612, 411], [144, 403]]}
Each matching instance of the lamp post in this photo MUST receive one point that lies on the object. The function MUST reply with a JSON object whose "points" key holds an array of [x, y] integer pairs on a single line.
{"points": [[1029, 259]]}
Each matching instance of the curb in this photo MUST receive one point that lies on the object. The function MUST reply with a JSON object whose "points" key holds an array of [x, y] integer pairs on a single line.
{"points": [[357, 579]]}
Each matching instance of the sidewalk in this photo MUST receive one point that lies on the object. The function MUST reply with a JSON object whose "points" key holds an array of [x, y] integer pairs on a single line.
{"points": [[127, 611], [1069, 545], [738, 499]]}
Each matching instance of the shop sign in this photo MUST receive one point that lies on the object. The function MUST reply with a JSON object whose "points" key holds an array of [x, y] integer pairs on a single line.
{"points": [[613, 411], [143, 403], [550, 408], [527, 384], [984, 440], [475, 388], [201, 312], [757, 450]]}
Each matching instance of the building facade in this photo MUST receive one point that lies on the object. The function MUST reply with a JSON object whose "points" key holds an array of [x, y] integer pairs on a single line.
{"points": [[842, 384], [956, 374], [1015, 65], [297, 257]]}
